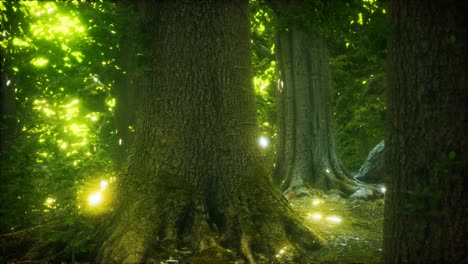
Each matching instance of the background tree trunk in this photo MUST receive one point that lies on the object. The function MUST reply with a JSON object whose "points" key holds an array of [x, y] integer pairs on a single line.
{"points": [[306, 155], [195, 178], [7, 90], [426, 147]]}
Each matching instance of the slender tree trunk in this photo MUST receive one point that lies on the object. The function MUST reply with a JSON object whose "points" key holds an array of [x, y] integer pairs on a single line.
{"points": [[7, 90], [426, 217], [306, 155], [195, 177]]}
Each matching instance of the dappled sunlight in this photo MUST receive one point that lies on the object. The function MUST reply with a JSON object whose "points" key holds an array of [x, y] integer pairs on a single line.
{"points": [[78, 130], [50, 203], [60, 26], [39, 62]]}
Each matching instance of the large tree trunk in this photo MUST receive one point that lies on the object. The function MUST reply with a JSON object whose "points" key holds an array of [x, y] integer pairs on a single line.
{"points": [[195, 177], [306, 155], [426, 216]]}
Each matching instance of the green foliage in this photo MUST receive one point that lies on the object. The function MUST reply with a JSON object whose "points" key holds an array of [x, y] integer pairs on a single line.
{"points": [[356, 33], [62, 66], [265, 80], [358, 95]]}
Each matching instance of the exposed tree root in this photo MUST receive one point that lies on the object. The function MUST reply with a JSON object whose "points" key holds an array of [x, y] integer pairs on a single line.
{"points": [[257, 226]]}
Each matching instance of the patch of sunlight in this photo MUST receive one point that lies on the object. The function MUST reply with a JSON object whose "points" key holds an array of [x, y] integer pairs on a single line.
{"points": [[20, 43], [70, 113], [316, 202], [57, 26], [80, 144], [65, 47], [315, 216], [94, 116], [48, 111], [64, 145], [263, 142], [260, 84], [78, 129], [38, 9], [110, 103], [73, 152], [50, 202], [71, 110], [43, 154], [39, 62], [78, 56], [72, 103], [260, 28], [333, 219], [360, 21]]}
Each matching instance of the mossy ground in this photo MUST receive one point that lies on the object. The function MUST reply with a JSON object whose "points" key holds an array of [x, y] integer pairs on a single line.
{"points": [[357, 238]]}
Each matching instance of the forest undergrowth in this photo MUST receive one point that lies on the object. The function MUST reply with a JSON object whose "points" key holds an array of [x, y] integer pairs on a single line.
{"points": [[352, 228]]}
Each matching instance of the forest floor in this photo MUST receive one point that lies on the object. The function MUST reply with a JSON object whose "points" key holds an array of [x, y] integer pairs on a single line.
{"points": [[351, 228]]}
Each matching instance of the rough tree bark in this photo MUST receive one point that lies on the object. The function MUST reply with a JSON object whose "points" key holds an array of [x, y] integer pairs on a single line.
{"points": [[426, 217], [306, 155], [195, 178]]}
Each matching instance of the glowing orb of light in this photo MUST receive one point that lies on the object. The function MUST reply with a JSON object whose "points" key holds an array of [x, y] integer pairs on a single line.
{"points": [[103, 184], [383, 189], [95, 198], [263, 142]]}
